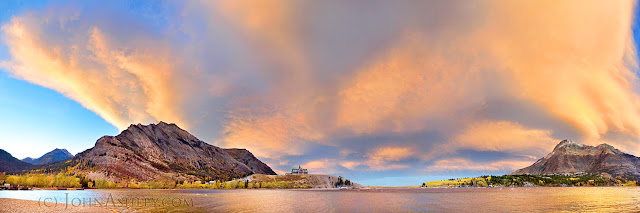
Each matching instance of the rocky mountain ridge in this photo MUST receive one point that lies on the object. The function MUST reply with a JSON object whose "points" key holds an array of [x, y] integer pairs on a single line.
{"points": [[570, 157], [56, 155], [247, 158], [160, 152], [8, 163]]}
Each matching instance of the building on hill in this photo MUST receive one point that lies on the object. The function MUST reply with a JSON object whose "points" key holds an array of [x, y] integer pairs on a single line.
{"points": [[298, 171]]}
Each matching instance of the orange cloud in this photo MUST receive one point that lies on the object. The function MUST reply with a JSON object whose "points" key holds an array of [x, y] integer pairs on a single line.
{"points": [[566, 65], [122, 88], [578, 67], [503, 136], [270, 134], [410, 83], [456, 164], [383, 158], [270, 26], [323, 166], [299, 82], [391, 154]]}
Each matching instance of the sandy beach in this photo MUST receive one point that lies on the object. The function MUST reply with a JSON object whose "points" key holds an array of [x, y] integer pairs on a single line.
{"points": [[15, 205]]}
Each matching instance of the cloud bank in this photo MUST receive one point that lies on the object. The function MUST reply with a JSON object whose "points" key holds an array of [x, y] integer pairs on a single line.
{"points": [[357, 87]]}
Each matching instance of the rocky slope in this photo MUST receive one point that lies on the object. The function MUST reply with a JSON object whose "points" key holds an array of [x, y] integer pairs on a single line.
{"points": [[572, 157], [56, 155], [156, 152], [247, 158], [8, 163]]}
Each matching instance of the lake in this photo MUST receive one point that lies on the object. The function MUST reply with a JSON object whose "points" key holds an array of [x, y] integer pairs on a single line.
{"points": [[601, 199]]}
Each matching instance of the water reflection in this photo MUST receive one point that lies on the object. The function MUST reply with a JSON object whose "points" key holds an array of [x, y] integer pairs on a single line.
{"points": [[388, 200]]}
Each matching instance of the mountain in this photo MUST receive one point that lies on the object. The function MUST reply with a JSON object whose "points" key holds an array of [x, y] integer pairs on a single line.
{"points": [[8, 163], [247, 158], [51, 157], [571, 157], [160, 152]]}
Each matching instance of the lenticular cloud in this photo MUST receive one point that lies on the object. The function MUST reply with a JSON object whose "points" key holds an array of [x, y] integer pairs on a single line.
{"points": [[326, 83]]}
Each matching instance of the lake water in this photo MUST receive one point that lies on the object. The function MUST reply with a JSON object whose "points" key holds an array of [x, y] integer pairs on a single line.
{"points": [[600, 199]]}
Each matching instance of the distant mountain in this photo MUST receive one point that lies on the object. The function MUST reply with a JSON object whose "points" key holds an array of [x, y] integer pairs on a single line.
{"points": [[246, 157], [571, 157], [8, 163], [51, 157], [159, 152]]}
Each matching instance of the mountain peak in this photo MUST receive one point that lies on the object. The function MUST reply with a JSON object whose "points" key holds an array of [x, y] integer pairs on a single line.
{"points": [[567, 143], [165, 151], [53, 156], [605, 146], [64, 151], [160, 125], [8, 163], [572, 157]]}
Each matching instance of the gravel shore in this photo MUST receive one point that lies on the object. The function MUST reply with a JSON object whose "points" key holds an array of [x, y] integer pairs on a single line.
{"points": [[15, 205]]}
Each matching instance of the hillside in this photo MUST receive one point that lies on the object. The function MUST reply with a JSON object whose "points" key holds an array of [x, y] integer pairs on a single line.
{"points": [[569, 157], [568, 164], [8, 163], [583, 179], [56, 155], [247, 158], [160, 151], [301, 181]]}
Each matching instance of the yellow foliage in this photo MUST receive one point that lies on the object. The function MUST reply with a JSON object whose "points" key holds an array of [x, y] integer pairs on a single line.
{"points": [[43, 180], [630, 183], [479, 182]]}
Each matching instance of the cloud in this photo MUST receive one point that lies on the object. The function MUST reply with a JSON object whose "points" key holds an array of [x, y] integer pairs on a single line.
{"points": [[399, 85], [410, 85], [503, 136], [383, 158], [322, 166], [373, 166], [122, 83], [566, 66], [391, 153], [268, 133], [457, 164]]}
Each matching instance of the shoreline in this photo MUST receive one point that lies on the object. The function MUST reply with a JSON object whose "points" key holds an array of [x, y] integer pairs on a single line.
{"points": [[322, 189], [296, 189], [20, 205]]}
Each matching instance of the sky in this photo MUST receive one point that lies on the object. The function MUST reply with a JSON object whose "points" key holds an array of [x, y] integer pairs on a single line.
{"points": [[384, 93]]}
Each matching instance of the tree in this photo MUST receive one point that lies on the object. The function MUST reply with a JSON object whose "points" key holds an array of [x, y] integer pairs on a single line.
{"points": [[339, 182]]}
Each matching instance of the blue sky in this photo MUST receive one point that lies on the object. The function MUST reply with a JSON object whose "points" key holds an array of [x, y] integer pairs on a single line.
{"points": [[228, 75], [36, 119], [39, 117]]}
